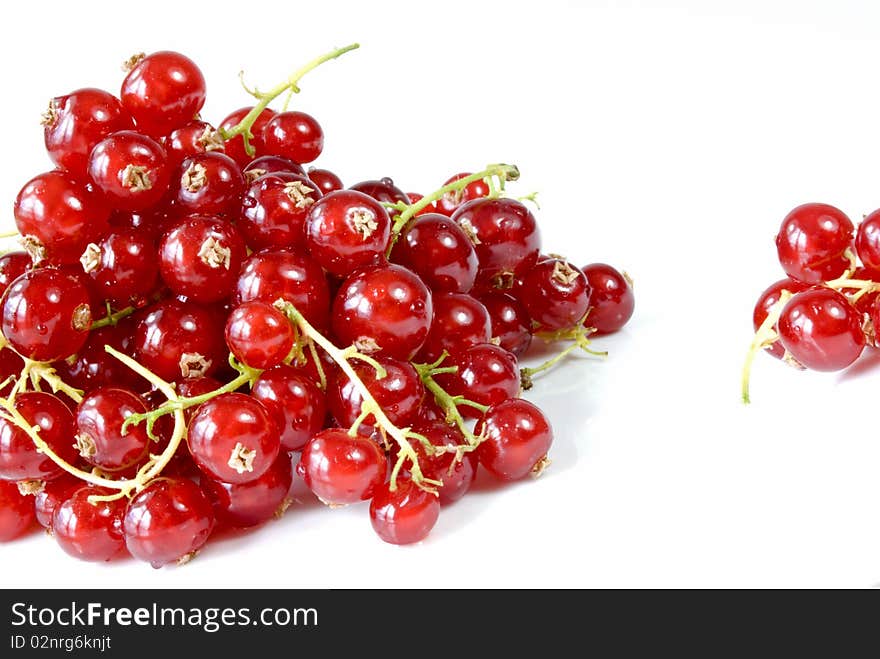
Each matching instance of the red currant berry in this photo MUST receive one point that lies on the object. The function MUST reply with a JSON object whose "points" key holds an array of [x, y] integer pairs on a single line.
{"points": [[163, 91], [294, 401], [131, 170], [347, 230], [821, 330], [89, 531], [510, 321], [169, 520], [505, 236], [46, 315], [294, 135], [405, 515], [449, 203], [16, 511], [460, 321], [235, 147], [288, 275], [180, 340], [263, 165], [99, 435], [555, 293], [190, 140], [518, 436], [382, 190], [768, 299], [233, 438], [341, 469], [75, 123], [51, 495], [259, 335], [812, 243], [386, 309], [440, 252], [399, 393], [249, 504], [12, 266], [58, 217], [487, 374], [326, 180], [611, 298], [274, 210], [210, 184], [20, 459], [868, 241], [11, 364], [201, 258], [123, 266], [456, 475]]}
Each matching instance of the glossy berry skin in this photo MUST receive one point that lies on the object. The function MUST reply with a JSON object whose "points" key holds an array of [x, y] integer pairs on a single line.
{"points": [[233, 438], [94, 367], [289, 275], [456, 476], [487, 374], [16, 511], [10, 364], [294, 135], [75, 123], [812, 242], [294, 401], [440, 252], [386, 309], [58, 216], [167, 521], [235, 146], [271, 165], [611, 298], [210, 184], [821, 330], [12, 266], [179, 340], [191, 139], [555, 294], [326, 180], [20, 460], [131, 170], [89, 531], [382, 190], [868, 241], [54, 493], [123, 266], [259, 335], [510, 321], [347, 230], [404, 516], [164, 91], [765, 302], [99, 434], [518, 436], [46, 315], [399, 393], [249, 504], [340, 469], [507, 237], [415, 198], [274, 210], [450, 202], [460, 321], [201, 258]]}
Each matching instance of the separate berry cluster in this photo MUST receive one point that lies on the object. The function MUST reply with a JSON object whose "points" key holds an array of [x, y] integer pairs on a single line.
{"points": [[823, 314], [196, 320]]}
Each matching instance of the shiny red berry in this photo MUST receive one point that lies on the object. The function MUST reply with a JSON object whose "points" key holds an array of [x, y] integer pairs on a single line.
{"points": [[295, 402], [235, 146], [20, 459], [487, 374], [248, 504], [99, 435], [460, 321], [293, 135], [259, 335], [16, 511], [555, 294], [123, 266], [341, 469], [510, 321], [131, 170], [440, 252], [765, 302], [274, 210], [517, 438], [326, 180], [12, 266], [209, 184], [450, 202], [90, 531], [405, 515], [399, 393], [812, 243], [611, 298], [191, 139]]}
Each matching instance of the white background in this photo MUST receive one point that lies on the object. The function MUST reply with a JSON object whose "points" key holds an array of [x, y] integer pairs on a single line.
{"points": [[667, 138]]}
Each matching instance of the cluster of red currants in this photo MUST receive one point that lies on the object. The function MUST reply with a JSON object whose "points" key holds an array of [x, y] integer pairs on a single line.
{"points": [[184, 291], [823, 314]]}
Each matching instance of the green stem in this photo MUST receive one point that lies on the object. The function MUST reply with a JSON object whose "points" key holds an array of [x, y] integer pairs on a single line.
{"points": [[765, 336], [113, 318], [243, 128], [578, 335], [503, 173], [449, 404]]}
